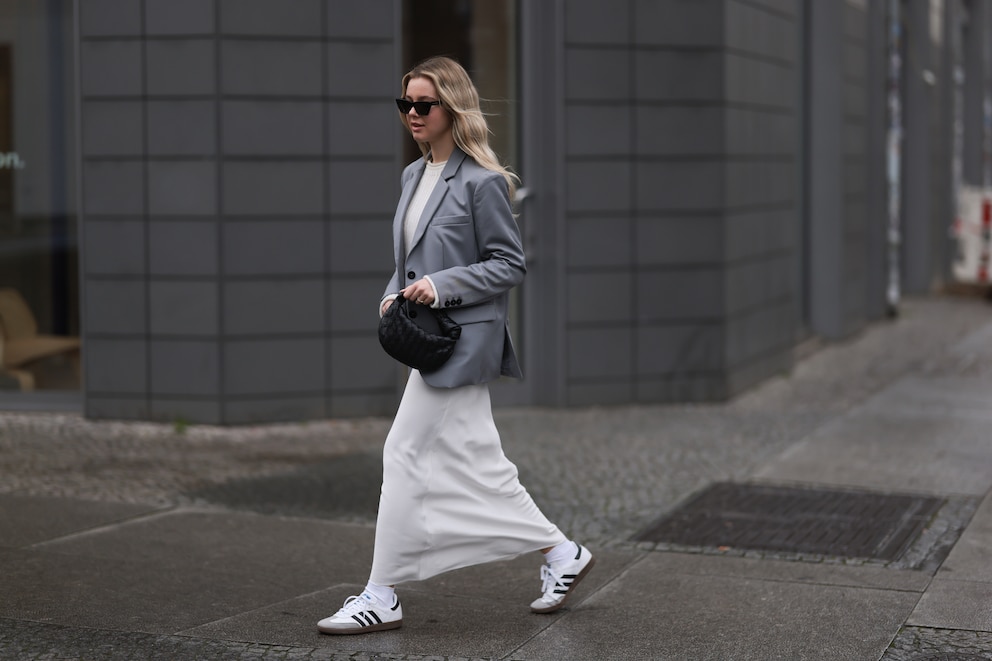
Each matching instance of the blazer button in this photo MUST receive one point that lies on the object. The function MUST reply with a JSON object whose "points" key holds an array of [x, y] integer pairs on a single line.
{"points": [[411, 275], [447, 304], [458, 301]]}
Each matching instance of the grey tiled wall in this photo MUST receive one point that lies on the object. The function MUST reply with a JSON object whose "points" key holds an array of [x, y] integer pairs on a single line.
{"points": [[240, 162], [762, 214], [680, 158], [239, 172]]}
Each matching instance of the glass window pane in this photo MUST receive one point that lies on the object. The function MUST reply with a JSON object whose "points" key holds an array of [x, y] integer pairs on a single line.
{"points": [[39, 316]]}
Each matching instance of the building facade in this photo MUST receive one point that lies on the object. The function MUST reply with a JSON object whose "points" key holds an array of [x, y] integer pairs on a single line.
{"points": [[707, 184]]}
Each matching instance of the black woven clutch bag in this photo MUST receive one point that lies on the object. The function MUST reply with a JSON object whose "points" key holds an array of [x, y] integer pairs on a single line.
{"points": [[418, 336]]}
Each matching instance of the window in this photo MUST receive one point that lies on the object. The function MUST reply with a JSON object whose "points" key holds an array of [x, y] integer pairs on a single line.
{"points": [[39, 315]]}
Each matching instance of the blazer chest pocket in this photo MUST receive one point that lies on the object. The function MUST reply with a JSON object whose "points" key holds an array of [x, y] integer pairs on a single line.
{"points": [[455, 236]]}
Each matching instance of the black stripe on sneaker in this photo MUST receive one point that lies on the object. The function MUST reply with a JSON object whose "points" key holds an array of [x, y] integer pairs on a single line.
{"points": [[579, 554], [360, 621], [396, 606], [377, 620], [364, 619]]}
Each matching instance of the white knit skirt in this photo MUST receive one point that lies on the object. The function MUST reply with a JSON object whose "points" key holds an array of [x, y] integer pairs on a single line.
{"points": [[450, 497]]}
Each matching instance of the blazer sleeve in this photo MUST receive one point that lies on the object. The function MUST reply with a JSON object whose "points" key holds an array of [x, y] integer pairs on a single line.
{"points": [[393, 287], [501, 264]]}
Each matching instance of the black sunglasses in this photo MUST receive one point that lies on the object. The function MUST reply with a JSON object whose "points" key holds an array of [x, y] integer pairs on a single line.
{"points": [[422, 107]]}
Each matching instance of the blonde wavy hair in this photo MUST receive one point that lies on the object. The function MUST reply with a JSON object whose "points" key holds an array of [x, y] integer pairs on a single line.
{"points": [[460, 99]]}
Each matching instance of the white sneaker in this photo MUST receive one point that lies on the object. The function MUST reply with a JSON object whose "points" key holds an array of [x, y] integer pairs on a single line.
{"points": [[363, 614], [559, 580]]}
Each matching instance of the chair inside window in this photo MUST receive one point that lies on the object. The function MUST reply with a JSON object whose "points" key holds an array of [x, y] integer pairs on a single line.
{"points": [[21, 347]]}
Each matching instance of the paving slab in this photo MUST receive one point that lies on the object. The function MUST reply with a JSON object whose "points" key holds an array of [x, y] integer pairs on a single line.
{"points": [[941, 396], [35, 641], [896, 443], [179, 569], [477, 611], [890, 454], [817, 573], [960, 596], [948, 604], [433, 625], [655, 612], [976, 343], [26, 520], [306, 553], [126, 595]]}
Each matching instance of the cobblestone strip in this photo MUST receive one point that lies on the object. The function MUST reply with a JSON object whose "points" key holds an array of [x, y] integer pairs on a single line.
{"points": [[925, 644], [939, 537], [36, 641], [66, 455]]}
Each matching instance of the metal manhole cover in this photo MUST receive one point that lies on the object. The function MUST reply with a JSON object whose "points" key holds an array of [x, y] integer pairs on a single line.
{"points": [[844, 523]]}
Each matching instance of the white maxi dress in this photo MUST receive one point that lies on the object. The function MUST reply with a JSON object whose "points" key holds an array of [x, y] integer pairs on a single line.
{"points": [[450, 497]]}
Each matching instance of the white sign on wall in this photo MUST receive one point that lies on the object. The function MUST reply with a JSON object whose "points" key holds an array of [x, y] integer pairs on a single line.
{"points": [[11, 161]]}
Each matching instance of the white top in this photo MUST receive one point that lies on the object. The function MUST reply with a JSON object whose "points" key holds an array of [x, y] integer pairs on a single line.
{"points": [[419, 200]]}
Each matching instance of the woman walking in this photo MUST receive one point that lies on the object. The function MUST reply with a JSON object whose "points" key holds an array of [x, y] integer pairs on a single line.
{"points": [[450, 497]]}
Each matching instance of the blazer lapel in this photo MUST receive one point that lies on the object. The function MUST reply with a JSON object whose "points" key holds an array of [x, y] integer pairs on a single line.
{"points": [[434, 201]]}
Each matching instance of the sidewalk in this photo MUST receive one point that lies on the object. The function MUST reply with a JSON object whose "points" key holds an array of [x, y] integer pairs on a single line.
{"points": [[142, 541]]}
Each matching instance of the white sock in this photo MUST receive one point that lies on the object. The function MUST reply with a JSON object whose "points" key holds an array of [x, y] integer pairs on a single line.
{"points": [[564, 551], [382, 593]]}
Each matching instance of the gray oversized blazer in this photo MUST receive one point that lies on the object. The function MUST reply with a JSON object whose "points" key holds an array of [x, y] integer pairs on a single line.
{"points": [[469, 244]]}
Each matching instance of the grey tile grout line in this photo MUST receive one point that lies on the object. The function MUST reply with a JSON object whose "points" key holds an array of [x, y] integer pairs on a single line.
{"points": [[188, 632]]}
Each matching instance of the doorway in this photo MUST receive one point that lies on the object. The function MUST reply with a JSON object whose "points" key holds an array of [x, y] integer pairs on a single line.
{"points": [[482, 35]]}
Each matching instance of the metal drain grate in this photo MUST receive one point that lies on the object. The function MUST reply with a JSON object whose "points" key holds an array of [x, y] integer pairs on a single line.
{"points": [[851, 524]]}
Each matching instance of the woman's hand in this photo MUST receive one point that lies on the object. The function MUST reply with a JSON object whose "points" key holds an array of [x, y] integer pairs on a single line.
{"points": [[419, 292], [385, 305]]}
